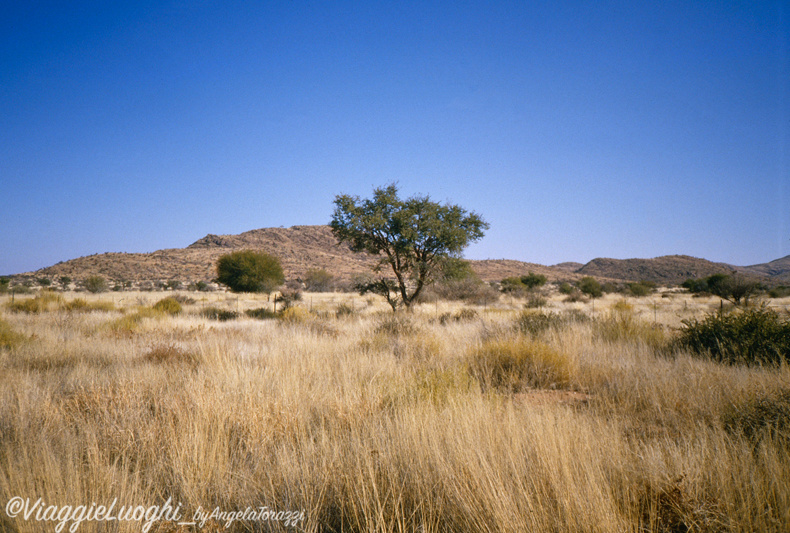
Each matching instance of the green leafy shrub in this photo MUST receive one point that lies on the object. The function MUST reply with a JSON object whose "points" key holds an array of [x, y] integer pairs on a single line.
{"points": [[514, 364], [565, 288], [168, 306], [756, 335], [642, 288], [512, 285], [533, 281], [249, 271], [735, 288], [590, 286]]}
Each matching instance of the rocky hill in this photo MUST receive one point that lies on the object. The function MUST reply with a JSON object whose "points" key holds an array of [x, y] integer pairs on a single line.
{"points": [[301, 248], [675, 269]]}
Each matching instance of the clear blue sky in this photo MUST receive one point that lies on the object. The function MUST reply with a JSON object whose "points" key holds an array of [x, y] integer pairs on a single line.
{"points": [[577, 129]]}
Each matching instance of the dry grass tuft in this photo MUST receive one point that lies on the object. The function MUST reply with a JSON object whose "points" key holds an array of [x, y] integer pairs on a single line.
{"points": [[517, 363], [171, 354], [45, 301], [8, 337]]}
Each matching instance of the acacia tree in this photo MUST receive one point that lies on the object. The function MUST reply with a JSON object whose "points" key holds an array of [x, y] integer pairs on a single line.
{"points": [[412, 236]]}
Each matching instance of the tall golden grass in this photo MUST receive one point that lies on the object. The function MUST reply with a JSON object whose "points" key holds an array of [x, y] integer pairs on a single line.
{"points": [[370, 422]]}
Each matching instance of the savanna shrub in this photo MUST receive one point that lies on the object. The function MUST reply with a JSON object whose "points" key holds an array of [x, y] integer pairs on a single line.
{"points": [[171, 354], [757, 335], [95, 284], [318, 280], [534, 323], [168, 305], [620, 325], [80, 305], [517, 363], [590, 286], [261, 313], [642, 288], [344, 310], [250, 271], [215, 313], [8, 337], [565, 288], [769, 413], [45, 301]]}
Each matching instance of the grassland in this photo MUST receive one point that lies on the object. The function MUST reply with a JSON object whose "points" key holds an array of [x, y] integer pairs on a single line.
{"points": [[449, 418]]}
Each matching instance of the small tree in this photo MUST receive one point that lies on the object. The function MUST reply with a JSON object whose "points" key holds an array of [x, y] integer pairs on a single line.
{"points": [[735, 288], [95, 284], [249, 271], [590, 286], [532, 280], [412, 236]]}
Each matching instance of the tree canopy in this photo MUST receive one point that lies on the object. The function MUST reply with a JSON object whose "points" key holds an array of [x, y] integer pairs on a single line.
{"points": [[412, 236]]}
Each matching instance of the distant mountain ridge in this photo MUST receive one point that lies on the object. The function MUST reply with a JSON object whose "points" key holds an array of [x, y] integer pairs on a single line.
{"points": [[301, 248]]}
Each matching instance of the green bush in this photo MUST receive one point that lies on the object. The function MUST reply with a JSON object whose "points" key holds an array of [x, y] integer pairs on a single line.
{"points": [[249, 271], [735, 288], [532, 281], [590, 286], [756, 335], [168, 306], [512, 285], [642, 288]]}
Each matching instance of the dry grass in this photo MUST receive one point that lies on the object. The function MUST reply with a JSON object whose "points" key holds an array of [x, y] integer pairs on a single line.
{"points": [[369, 422]]}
